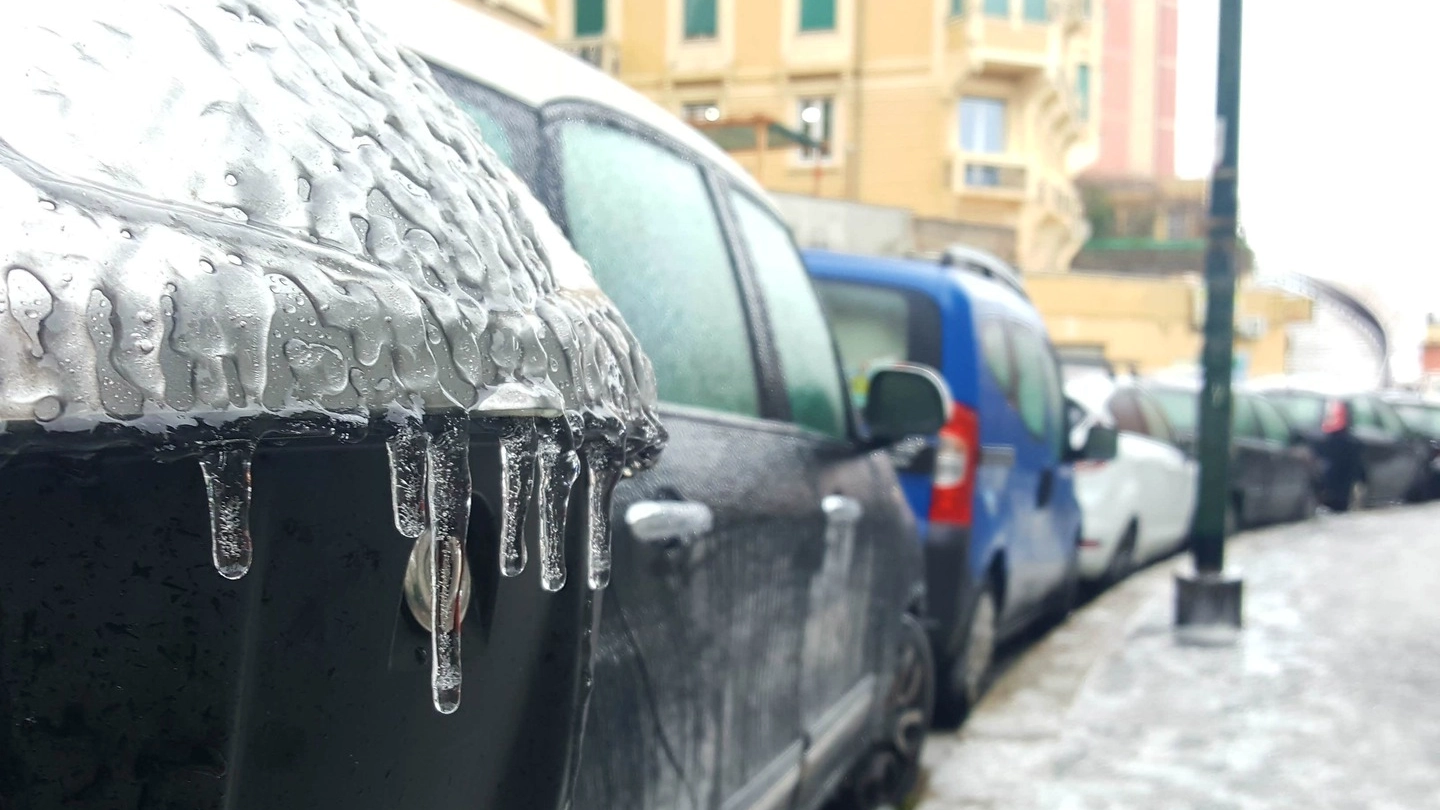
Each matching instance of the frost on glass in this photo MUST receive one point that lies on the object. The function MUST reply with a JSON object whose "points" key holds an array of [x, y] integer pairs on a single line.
{"points": [[284, 228]]}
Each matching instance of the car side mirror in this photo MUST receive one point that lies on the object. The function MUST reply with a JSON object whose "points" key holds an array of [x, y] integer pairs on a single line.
{"points": [[905, 400], [1102, 443]]}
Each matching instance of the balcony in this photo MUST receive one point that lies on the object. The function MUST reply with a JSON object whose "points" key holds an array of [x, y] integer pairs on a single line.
{"points": [[990, 175], [601, 51]]}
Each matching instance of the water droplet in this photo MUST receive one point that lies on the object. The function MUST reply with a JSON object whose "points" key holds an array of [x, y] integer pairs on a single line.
{"points": [[48, 205], [517, 482], [302, 186], [48, 409], [30, 305], [236, 214], [231, 180], [145, 346], [558, 468], [382, 384], [233, 258], [600, 475], [406, 451], [227, 487], [145, 316], [126, 234], [448, 504]]}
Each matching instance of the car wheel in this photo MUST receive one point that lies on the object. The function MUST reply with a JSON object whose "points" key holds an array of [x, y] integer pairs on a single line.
{"points": [[1124, 560], [1309, 505], [965, 679], [890, 772]]}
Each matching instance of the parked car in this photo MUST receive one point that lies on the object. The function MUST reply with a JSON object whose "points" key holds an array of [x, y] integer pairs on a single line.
{"points": [[994, 492], [761, 636], [1368, 456], [1137, 506], [1274, 472], [287, 236], [1422, 416]]}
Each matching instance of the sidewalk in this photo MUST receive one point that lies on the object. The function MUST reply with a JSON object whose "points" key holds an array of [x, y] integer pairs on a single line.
{"points": [[1331, 699]]}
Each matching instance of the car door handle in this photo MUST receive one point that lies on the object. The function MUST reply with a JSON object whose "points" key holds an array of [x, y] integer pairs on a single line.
{"points": [[656, 521]]}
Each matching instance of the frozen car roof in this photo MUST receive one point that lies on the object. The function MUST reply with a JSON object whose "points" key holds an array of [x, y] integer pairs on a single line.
{"points": [[527, 68]]}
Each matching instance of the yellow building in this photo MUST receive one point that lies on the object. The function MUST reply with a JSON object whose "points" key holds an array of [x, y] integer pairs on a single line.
{"points": [[972, 111]]}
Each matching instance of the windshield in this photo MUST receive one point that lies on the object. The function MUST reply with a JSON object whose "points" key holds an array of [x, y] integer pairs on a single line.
{"points": [[1179, 407]]}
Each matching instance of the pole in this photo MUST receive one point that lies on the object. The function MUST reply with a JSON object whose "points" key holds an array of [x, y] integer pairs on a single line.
{"points": [[1211, 597]]}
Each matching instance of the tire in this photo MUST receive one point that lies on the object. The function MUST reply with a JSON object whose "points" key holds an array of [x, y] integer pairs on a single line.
{"points": [[888, 774], [963, 681], [1309, 505], [1124, 560]]}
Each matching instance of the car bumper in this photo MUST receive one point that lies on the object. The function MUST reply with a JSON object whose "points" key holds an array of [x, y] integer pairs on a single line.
{"points": [[1099, 539], [949, 584]]}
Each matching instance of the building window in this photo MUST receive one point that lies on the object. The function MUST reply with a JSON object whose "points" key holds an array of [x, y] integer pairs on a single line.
{"points": [[1037, 10], [997, 8], [957, 7], [1177, 225], [816, 117], [817, 15], [700, 19], [589, 18], [698, 111], [1082, 89], [982, 125]]}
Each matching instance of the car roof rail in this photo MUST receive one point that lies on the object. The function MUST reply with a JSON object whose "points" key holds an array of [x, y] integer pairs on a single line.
{"points": [[982, 263]]}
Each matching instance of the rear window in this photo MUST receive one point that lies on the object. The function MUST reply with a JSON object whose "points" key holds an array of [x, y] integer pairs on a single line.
{"points": [[1180, 407], [1304, 412], [875, 325]]}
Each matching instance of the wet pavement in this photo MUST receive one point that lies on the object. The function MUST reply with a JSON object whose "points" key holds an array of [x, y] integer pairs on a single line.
{"points": [[1328, 699]]}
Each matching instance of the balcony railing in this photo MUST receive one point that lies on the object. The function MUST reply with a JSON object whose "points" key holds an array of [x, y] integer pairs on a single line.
{"points": [[988, 173], [603, 52]]}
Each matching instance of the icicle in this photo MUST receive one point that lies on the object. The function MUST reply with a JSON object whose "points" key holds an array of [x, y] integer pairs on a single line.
{"points": [[599, 478], [406, 450], [559, 466], [517, 481], [227, 487], [448, 484]]}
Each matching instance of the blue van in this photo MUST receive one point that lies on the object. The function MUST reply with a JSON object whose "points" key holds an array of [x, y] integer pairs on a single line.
{"points": [[994, 490]]}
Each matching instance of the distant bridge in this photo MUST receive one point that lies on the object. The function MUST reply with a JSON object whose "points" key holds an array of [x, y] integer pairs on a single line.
{"points": [[1319, 347]]}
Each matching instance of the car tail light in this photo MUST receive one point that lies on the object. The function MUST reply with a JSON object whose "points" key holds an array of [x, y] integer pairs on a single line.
{"points": [[1337, 417], [957, 457], [1090, 464]]}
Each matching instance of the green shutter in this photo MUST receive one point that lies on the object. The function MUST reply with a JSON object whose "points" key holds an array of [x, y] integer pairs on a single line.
{"points": [[1037, 10], [589, 18], [699, 18], [997, 8], [817, 15], [957, 7], [1082, 89]]}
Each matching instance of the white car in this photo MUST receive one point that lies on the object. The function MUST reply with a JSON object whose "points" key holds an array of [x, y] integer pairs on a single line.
{"points": [[1138, 506]]}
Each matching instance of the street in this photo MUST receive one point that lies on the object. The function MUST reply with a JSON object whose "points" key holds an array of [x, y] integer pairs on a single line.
{"points": [[1327, 701]]}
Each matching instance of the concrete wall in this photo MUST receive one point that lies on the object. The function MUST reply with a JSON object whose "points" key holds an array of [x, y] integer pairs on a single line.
{"points": [[846, 226]]}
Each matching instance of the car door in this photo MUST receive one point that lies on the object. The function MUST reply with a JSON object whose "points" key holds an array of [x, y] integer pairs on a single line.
{"points": [[1141, 456], [1379, 452], [1250, 465], [1289, 463], [1045, 548], [699, 648], [1178, 472], [868, 562], [1409, 457]]}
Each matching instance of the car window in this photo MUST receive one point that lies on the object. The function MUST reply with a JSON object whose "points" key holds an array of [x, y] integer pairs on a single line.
{"points": [[504, 123], [1362, 413], [642, 216], [1303, 411], [1181, 407], [1037, 384], [802, 337], [876, 325], [1420, 418], [995, 346], [1125, 410], [1243, 422], [1272, 424], [1389, 422], [1155, 418]]}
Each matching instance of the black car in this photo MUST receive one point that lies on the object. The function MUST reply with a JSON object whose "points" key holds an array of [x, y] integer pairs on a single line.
{"points": [[1272, 469], [1368, 456], [287, 255], [1422, 416]]}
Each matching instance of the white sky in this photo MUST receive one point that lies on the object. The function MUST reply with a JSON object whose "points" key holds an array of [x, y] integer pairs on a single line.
{"points": [[1339, 150]]}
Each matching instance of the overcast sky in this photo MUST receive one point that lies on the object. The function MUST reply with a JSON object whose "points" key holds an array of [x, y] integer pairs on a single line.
{"points": [[1339, 151]]}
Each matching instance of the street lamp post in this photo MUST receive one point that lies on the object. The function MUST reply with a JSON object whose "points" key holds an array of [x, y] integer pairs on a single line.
{"points": [[1209, 597]]}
